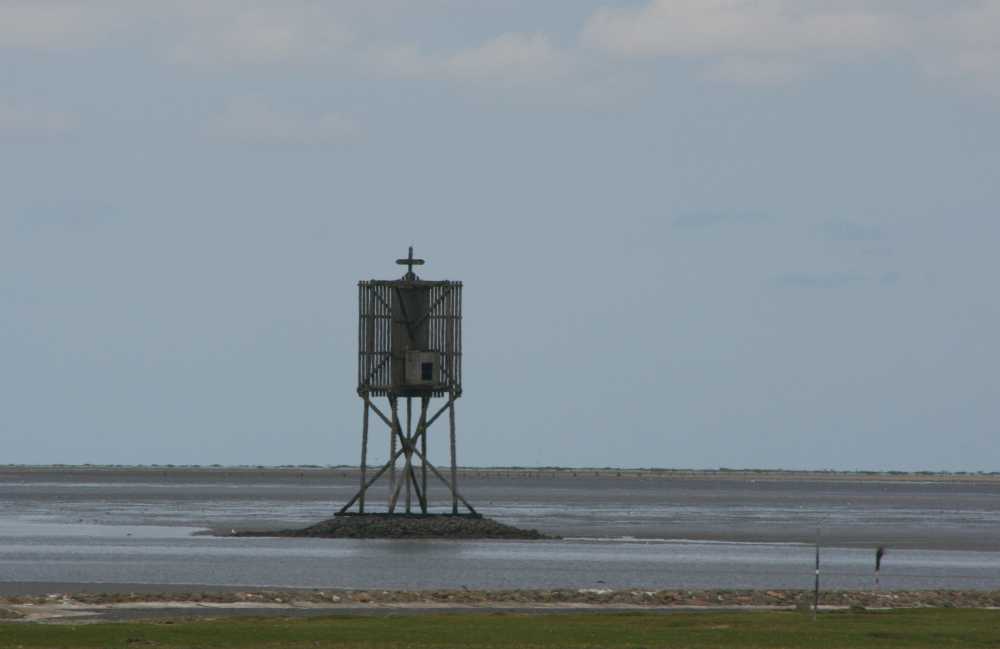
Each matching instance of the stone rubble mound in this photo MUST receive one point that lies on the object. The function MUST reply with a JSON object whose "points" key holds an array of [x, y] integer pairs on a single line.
{"points": [[405, 526]]}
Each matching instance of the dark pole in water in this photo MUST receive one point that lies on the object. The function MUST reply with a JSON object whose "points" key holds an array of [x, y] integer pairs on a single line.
{"points": [[879, 553], [816, 587]]}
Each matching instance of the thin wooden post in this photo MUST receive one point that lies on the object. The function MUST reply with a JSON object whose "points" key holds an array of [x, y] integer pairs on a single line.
{"points": [[364, 456], [454, 463], [816, 586]]}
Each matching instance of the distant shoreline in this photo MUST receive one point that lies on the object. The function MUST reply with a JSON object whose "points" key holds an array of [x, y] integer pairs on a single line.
{"points": [[515, 472]]}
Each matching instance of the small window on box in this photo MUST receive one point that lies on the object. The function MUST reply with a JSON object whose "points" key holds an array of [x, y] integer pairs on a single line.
{"points": [[427, 371]]}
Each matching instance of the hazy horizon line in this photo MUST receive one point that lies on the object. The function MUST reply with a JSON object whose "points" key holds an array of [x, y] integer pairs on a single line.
{"points": [[266, 467]]}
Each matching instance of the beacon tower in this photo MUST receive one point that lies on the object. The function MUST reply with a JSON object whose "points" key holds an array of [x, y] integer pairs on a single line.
{"points": [[410, 354]]}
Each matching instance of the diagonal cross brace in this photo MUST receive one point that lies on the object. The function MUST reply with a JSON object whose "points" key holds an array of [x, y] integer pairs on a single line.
{"points": [[411, 443], [445, 481], [420, 429], [368, 485], [381, 363], [433, 306]]}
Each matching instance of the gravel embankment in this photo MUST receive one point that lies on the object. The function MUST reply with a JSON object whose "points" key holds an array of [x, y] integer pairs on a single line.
{"points": [[543, 598]]}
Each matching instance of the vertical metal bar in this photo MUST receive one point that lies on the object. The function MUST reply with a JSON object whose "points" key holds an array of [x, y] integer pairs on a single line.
{"points": [[370, 323], [372, 334], [450, 336], [361, 332], [382, 335], [379, 338], [386, 337], [431, 325], [364, 456], [438, 339], [455, 307], [454, 465], [376, 344], [380, 305], [458, 342]]}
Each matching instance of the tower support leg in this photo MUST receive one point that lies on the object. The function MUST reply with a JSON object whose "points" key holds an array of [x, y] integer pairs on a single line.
{"points": [[394, 410], [410, 446], [454, 462], [424, 403], [409, 441], [364, 456]]}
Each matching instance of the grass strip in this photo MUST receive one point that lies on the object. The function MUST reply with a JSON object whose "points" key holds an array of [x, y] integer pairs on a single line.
{"points": [[905, 628]]}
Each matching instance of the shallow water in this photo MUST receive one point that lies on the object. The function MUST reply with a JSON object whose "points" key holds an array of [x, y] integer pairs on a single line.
{"points": [[80, 527]]}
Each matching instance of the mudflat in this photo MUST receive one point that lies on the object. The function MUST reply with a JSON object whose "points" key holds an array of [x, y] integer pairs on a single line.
{"points": [[114, 528], [915, 510]]}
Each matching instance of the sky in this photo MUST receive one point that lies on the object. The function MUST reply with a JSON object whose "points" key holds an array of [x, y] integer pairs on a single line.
{"points": [[693, 233]]}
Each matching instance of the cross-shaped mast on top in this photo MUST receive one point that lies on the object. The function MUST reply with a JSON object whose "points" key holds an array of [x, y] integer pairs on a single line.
{"points": [[410, 262]]}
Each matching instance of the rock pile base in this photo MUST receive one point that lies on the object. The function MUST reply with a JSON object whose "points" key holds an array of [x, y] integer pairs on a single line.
{"points": [[405, 526]]}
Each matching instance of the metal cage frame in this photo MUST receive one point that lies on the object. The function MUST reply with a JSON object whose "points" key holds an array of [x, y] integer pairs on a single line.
{"points": [[375, 355]]}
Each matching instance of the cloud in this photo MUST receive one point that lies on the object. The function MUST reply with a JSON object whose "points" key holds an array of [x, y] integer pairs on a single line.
{"points": [[965, 46], [700, 220], [890, 278], [523, 69], [23, 121], [508, 58], [842, 230], [819, 280], [65, 216], [56, 24], [702, 28], [336, 35], [778, 41], [755, 71], [261, 34], [523, 57], [255, 122], [762, 42]]}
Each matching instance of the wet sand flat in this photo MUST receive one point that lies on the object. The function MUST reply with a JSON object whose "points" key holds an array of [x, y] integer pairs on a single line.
{"points": [[911, 511], [112, 526]]}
